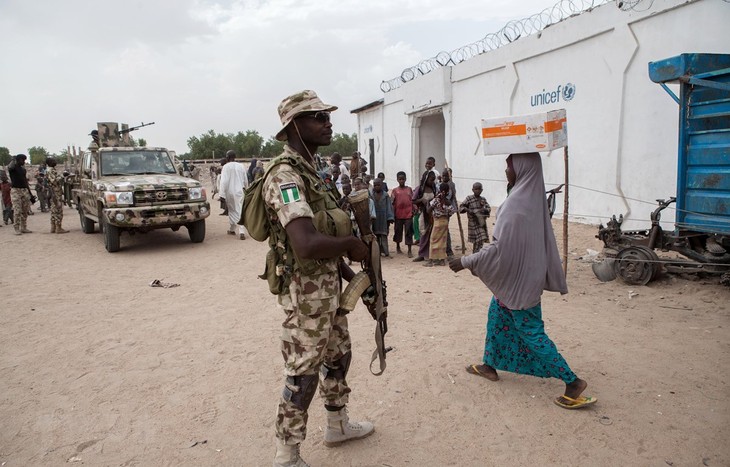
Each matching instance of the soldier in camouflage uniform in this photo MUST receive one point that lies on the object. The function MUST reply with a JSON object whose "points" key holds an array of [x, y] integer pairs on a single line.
{"points": [[20, 194], [41, 192], [315, 342], [55, 183]]}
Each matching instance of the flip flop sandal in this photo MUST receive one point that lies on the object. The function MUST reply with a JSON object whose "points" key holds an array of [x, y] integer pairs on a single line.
{"points": [[574, 403], [474, 370]]}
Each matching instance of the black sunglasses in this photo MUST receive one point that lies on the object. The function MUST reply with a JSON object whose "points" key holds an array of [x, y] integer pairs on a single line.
{"points": [[321, 116]]}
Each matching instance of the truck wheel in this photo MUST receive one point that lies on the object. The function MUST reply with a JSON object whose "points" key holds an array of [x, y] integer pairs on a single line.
{"points": [[196, 230], [111, 235], [87, 225]]}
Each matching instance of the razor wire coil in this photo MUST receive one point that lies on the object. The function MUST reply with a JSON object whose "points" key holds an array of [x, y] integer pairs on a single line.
{"points": [[510, 32]]}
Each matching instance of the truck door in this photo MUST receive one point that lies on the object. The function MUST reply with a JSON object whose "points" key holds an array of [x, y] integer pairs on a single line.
{"points": [[87, 188]]}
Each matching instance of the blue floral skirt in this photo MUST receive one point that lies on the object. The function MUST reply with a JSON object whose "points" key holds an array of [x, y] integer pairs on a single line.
{"points": [[516, 342]]}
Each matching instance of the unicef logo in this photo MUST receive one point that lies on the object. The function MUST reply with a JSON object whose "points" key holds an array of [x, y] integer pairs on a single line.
{"points": [[566, 92], [569, 91]]}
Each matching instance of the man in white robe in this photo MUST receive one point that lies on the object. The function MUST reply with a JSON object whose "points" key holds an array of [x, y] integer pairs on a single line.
{"points": [[233, 180]]}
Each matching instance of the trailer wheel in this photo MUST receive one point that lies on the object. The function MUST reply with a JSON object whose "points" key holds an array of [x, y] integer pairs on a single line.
{"points": [[637, 265]]}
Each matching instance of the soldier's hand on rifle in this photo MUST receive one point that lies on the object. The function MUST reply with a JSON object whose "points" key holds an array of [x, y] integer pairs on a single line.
{"points": [[358, 251]]}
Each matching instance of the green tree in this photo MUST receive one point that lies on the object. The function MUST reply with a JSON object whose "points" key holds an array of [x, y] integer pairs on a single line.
{"points": [[4, 155], [247, 144], [62, 156], [141, 142], [272, 148], [38, 155], [212, 145], [209, 145]]}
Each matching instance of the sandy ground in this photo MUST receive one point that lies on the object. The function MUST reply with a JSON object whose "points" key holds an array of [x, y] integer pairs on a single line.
{"points": [[98, 368]]}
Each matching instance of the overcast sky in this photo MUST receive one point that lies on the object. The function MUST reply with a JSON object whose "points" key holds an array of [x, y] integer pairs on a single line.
{"points": [[198, 65]]}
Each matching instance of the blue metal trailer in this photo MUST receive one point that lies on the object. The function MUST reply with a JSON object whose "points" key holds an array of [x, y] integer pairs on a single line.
{"points": [[702, 227]]}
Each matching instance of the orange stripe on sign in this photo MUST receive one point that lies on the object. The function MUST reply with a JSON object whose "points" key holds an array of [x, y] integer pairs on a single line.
{"points": [[508, 130], [554, 125]]}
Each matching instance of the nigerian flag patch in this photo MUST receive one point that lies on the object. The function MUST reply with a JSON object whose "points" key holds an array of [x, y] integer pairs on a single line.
{"points": [[289, 192]]}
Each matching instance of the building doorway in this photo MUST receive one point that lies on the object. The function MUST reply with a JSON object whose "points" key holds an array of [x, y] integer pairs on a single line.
{"points": [[430, 139]]}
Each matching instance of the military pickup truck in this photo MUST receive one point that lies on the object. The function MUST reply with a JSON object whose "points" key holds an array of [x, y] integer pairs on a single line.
{"points": [[132, 189]]}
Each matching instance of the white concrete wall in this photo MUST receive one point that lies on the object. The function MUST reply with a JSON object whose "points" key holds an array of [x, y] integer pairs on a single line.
{"points": [[622, 128], [370, 127]]}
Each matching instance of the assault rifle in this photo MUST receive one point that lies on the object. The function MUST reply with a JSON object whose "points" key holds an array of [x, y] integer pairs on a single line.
{"points": [[132, 128], [369, 283]]}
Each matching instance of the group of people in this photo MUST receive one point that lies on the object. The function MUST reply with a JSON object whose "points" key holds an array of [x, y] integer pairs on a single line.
{"points": [[421, 215], [519, 263], [17, 197]]}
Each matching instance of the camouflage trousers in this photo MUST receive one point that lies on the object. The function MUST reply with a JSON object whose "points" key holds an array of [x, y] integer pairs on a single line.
{"points": [[56, 210], [20, 197], [42, 199], [313, 337]]}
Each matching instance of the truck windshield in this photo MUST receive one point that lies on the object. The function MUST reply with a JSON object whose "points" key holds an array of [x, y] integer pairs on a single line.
{"points": [[136, 163]]}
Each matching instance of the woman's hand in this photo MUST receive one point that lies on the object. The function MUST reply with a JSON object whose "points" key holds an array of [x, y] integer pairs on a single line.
{"points": [[455, 265]]}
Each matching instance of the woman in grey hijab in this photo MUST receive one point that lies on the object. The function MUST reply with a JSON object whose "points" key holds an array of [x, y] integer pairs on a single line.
{"points": [[517, 266]]}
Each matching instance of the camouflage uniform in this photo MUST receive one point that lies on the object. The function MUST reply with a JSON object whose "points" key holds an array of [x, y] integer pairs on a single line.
{"points": [[314, 337], [40, 191], [20, 197], [55, 183]]}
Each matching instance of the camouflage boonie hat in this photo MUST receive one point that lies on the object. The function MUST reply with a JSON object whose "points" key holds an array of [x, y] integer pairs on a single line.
{"points": [[304, 101]]}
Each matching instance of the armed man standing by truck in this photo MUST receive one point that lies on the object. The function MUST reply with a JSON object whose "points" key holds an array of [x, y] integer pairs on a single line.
{"points": [[55, 184], [305, 266], [20, 194]]}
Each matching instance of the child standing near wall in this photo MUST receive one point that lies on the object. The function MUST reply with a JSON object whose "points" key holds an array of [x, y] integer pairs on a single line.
{"points": [[477, 211], [383, 215], [381, 176], [402, 197], [441, 209]]}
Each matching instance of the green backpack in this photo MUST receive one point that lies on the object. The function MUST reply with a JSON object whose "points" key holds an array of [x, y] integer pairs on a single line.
{"points": [[254, 214]]}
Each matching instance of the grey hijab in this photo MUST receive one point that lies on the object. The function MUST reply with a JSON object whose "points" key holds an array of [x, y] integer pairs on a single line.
{"points": [[522, 259]]}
